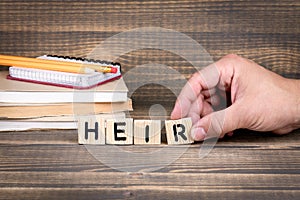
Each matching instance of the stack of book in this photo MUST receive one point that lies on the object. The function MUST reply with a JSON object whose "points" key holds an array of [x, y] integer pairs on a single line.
{"points": [[46, 99]]}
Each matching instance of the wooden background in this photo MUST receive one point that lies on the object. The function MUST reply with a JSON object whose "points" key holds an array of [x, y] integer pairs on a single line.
{"points": [[44, 164]]}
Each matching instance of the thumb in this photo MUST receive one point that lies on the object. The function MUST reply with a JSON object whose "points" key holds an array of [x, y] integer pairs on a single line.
{"points": [[217, 124]]}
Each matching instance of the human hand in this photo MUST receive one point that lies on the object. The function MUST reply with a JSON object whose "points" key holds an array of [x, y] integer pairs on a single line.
{"points": [[260, 99]]}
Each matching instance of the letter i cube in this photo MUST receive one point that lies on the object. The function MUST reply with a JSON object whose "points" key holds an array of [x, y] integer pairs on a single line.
{"points": [[147, 132]]}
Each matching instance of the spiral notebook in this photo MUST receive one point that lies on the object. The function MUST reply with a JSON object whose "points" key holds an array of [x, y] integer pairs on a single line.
{"points": [[12, 91], [65, 79]]}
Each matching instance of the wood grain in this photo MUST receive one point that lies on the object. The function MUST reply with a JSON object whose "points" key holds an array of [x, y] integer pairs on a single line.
{"points": [[249, 165], [51, 165], [266, 32]]}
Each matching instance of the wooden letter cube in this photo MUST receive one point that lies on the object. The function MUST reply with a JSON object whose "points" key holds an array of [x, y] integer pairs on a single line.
{"points": [[147, 131], [91, 130], [178, 131], [119, 131]]}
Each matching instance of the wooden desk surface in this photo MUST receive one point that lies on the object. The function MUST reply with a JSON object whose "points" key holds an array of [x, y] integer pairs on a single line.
{"points": [[51, 165]]}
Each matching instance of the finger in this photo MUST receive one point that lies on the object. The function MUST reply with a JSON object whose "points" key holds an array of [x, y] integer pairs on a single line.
{"points": [[184, 101], [196, 109], [213, 100], [199, 108], [217, 124], [208, 93], [219, 73], [207, 109], [206, 79], [283, 130]]}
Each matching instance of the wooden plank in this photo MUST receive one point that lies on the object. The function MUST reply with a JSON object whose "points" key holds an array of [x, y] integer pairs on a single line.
{"points": [[147, 193], [147, 132], [215, 25], [232, 158], [199, 16], [280, 56], [120, 185], [243, 166], [119, 131]]}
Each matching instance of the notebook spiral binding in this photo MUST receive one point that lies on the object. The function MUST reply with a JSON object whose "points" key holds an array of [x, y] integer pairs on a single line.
{"points": [[84, 59]]}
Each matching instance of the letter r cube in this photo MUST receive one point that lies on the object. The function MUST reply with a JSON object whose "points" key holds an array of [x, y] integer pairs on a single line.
{"points": [[178, 131]]}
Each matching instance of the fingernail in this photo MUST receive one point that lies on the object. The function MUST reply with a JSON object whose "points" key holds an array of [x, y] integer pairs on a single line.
{"points": [[198, 133]]}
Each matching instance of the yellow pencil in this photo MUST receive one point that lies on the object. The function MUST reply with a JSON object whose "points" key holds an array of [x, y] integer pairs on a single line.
{"points": [[54, 65]]}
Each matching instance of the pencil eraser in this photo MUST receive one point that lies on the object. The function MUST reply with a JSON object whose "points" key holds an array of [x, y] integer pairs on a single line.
{"points": [[114, 70]]}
